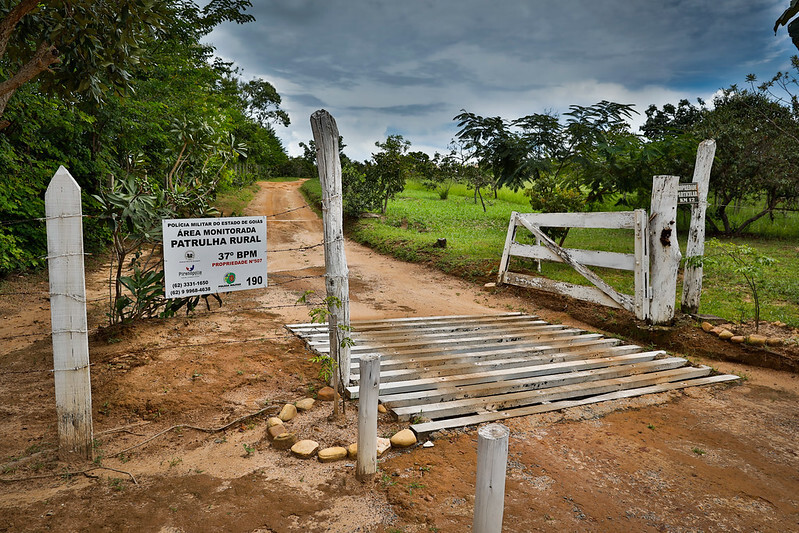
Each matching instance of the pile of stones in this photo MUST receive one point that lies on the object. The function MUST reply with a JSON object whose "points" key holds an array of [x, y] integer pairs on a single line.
{"points": [[283, 439], [723, 332]]}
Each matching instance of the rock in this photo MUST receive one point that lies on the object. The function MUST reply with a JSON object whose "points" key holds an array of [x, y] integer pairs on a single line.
{"points": [[273, 421], [352, 450], [738, 339], [774, 341], [284, 441], [275, 431], [726, 334], [326, 394], [717, 330], [756, 340], [287, 413], [490, 285], [336, 453], [403, 439], [780, 324], [707, 326], [383, 445], [305, 404], [428, 444], [381, 408], [305, 449]]}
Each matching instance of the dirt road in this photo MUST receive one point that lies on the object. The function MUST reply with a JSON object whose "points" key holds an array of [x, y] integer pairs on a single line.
{"points": [[707, 459]]}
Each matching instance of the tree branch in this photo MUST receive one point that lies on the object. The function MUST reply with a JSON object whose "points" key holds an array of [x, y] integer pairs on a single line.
{"points": [[45, 56], [8, 24]]}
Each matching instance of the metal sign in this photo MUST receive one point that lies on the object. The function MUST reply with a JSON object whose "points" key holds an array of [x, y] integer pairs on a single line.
{"points": [[688, 193], [209, 255]]}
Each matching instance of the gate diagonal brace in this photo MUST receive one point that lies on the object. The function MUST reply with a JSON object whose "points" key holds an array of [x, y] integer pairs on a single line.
{"points": [[621, 299]]}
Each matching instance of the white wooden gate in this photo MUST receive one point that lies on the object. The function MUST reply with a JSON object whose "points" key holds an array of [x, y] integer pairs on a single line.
{"points": [[548, 250]]}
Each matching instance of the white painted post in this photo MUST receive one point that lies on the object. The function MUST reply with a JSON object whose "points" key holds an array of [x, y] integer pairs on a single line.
{"points": [[695, 247], [664, 249], [368, 391], [641, 272], [326, 135], [509, 238], [73, 390], [492, 460]]}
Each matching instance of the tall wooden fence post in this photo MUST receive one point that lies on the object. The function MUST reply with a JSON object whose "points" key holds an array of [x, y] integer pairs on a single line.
{"points": [[492, 460], [692, 275], [664, 249], [325, 133], [73, 390], [368, 391]]}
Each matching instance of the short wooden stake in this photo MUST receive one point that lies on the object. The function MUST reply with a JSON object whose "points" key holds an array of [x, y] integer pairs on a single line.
{"points": [[664, 249], [368, 391], [325, 133], [73, 389], [695, 247], [492, 459]]}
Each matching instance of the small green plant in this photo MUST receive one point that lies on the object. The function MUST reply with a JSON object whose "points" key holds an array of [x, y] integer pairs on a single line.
{"points": [[117, 484], [195, 375], [698, 451], [651, 426], [414, 485], [418, 418], [386, 480], [248, 449], [175, 462]]}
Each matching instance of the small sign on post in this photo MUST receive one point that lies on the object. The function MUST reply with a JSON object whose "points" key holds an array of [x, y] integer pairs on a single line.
{"points": [[210, 255], [688, 193]]}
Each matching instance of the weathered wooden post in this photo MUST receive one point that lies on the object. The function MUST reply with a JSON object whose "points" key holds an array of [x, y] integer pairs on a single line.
{"points": [[368, 391], [492, 459], [73, 390], [692, 275], [325, 133], [664, 249]]}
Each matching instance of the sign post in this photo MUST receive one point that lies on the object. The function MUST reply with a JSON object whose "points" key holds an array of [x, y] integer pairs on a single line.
{"points": [[211, 255]]}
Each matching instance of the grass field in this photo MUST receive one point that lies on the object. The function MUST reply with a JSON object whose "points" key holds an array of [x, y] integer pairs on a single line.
{"points": [[418, 217]]}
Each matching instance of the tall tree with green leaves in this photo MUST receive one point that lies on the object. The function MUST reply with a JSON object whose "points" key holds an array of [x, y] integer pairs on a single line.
{"points": [[390, 167]]}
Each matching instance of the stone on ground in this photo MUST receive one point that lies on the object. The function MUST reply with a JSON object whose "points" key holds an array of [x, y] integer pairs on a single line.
{"points": [[305, 449], [403, 439], [305, 404], [383, 445], [287, 413], [726, 334], [707, 326], [275, 431], [756, 340], [326, 394], [273, 421], [284, 441], [738, 339], [352, 450], [381, 408], [335, 453]]}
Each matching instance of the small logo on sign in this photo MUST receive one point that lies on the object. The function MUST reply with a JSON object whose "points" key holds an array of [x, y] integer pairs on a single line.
{"points": [[190, 269], [230, 278], [189, 255]]}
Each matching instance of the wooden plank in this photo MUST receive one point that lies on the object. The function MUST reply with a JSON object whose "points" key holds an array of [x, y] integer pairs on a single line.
{"points": [[597, 258], [622, 299], [519, 399], [447, 392], [510, 237], [642, 295], [437, 333], [415, 319], [426, 428], [581, 292], [604, 220], [404, 371], [504, 373], [695, 245]]}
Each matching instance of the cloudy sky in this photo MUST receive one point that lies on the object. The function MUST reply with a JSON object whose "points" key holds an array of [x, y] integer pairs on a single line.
{"points": [[409, 66]]}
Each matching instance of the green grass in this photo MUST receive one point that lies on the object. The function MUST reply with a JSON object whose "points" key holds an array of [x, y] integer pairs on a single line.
{"points": [[233, 202], [418, 217]]}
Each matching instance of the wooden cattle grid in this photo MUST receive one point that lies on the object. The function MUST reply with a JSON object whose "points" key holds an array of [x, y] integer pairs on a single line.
{"points": [[453, 371]]}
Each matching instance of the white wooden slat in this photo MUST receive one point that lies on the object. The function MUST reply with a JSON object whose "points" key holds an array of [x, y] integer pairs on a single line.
{"points": [[403, 371], [505, 373], [597, 258], [413, 322], [641, 271], [581, 292], [519, 399], [447, 392], [426, 428], [600, 220]]}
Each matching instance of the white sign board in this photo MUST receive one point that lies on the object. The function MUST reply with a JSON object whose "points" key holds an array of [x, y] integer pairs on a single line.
{"points": [[209, 255]]}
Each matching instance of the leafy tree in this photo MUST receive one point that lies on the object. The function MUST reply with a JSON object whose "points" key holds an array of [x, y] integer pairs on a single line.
{"points": [[390, 167], [785, 18]]}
